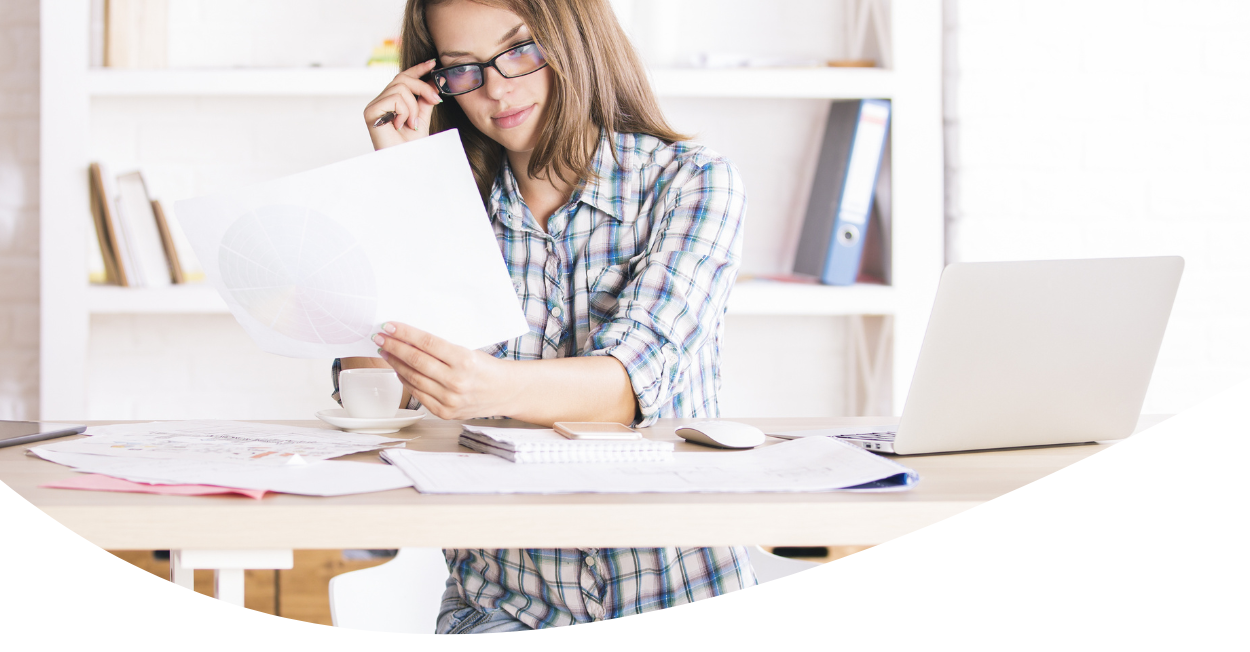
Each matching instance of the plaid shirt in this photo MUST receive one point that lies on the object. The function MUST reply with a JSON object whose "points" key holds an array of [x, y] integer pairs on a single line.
{"points": [[637, 265]]}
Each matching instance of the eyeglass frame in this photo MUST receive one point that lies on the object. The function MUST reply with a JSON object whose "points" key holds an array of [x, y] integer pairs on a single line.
{"points": [[482, 66]]}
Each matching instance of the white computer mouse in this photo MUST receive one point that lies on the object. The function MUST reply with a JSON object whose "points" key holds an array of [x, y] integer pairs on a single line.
{"points": [[722, 434]]}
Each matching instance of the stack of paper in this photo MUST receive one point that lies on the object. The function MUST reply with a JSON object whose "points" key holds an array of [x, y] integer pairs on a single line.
{"points": [[546, 445], [230, 454], [816, 464]]}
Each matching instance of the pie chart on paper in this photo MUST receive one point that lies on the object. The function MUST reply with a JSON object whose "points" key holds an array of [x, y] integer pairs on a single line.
{"points": [[301, 274]]}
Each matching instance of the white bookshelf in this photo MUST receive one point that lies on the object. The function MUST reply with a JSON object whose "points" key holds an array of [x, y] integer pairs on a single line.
{"points": [[798, 83], [68, 87], [752, 297]]}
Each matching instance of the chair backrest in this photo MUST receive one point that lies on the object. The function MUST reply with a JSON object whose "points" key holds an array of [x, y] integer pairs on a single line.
{"points": [[769, 567], [402, 595]]}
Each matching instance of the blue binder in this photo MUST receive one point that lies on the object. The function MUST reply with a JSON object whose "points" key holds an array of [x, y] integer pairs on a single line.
{"points": [[832, 239]]}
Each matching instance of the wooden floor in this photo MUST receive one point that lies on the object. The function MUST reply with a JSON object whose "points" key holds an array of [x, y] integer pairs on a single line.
{"points": [[303, 593], [832, 553]]}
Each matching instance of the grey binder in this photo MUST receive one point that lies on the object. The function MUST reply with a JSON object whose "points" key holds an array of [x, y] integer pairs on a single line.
{"points": [[834, 228]]}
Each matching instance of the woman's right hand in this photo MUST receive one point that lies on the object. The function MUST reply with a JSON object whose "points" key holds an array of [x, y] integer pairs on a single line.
{"points": [[413, 102]]}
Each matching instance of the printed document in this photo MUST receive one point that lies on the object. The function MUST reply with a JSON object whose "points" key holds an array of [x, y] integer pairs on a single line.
{"points": [[317, 479], [97, 482], [312, 264], [235, 442], [814, 464]]}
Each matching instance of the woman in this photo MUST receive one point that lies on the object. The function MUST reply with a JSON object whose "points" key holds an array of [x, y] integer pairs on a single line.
{"points": [[623, 243]]}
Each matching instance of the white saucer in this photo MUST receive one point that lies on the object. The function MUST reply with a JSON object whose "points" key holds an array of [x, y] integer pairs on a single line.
{"points": [[339, 419]]}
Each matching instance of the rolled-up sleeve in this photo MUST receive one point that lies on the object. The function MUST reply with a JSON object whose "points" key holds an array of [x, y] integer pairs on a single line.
{"points": [[675, 298]]}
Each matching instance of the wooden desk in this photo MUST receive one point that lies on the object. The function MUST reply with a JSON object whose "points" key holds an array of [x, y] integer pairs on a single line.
{"points": [[949, 484]]}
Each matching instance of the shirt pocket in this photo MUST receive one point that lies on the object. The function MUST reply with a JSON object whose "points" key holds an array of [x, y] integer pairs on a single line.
{"points": [[605, 289]]}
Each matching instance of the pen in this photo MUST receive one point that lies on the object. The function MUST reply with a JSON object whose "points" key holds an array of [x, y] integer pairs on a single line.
{"points": [[384, 120]]}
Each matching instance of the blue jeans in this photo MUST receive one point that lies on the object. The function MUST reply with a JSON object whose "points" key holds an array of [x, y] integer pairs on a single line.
{"points": [[456, 617]]}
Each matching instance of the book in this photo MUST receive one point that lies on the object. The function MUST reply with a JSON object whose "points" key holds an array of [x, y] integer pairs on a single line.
{"points": [[142, 232], [106, 227], [127, 263], [167, 242], [834, 229], [526, 446], [136, 33]]}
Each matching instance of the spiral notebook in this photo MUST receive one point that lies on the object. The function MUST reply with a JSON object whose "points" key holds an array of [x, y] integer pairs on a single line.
{"points": [[526, 446]]}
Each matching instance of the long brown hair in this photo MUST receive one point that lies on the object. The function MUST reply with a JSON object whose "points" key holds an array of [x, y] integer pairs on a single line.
{"points": [[600, 84]]}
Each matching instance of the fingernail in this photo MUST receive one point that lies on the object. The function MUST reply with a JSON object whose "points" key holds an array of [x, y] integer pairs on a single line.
{"points": [[388, 327], [379, 340], [382, 354]]}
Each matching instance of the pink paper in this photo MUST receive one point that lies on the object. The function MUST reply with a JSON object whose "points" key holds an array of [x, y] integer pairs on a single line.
{"points": [[97, 482]]}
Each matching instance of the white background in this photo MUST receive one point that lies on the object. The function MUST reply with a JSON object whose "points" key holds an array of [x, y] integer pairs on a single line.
{"points": [[1096, 127], [1107, 127]]}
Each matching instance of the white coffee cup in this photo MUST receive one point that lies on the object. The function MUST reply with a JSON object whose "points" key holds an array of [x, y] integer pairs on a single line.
{"points": [[370, 393]]}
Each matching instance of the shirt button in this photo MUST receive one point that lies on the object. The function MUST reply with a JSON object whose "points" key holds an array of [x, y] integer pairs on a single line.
{"points": [[556, 312], [590, 561]]}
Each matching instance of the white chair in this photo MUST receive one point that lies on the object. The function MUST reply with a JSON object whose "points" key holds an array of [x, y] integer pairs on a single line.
{"points": [[769, 567], [404, 594]]}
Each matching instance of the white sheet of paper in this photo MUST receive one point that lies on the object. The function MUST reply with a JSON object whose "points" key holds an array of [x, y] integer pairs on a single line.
{"points": [[816, 464], [235, 442], [313, 263], [318, 479]]}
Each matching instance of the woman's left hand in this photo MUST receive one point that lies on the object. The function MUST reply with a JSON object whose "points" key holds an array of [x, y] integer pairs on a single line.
{"points": [[450, 380]]}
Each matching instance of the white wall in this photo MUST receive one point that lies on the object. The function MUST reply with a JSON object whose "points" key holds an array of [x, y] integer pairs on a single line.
{"points": [[19, 209], [1112, 128], [196, 366], [148, 367], [1090, 128]]}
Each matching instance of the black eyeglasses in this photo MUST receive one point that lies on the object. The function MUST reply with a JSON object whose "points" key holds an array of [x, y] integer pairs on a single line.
{"points": [[517, 61]]}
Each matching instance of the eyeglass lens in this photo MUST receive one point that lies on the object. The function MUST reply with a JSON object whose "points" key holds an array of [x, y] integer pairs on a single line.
{"points": [[518, 61]]}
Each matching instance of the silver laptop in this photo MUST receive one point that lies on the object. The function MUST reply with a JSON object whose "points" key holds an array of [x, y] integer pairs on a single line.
{"points": [[1031, 354]]}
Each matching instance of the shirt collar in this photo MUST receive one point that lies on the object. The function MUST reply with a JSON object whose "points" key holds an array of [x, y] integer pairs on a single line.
{"points": [[506, 196], [602, 190], [608, 180]]}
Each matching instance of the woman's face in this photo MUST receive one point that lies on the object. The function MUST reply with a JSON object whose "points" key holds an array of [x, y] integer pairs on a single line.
{"points": [[509, 111]]}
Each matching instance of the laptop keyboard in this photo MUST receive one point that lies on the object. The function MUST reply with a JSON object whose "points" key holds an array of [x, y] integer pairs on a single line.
{"points": [[886, 435]]}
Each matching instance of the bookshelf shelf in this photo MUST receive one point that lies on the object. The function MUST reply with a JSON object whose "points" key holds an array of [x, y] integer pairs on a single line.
{"points": [[758, 297], [240, 82], [749, 298], [193, 298], [784, 83], [813, 83]]}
